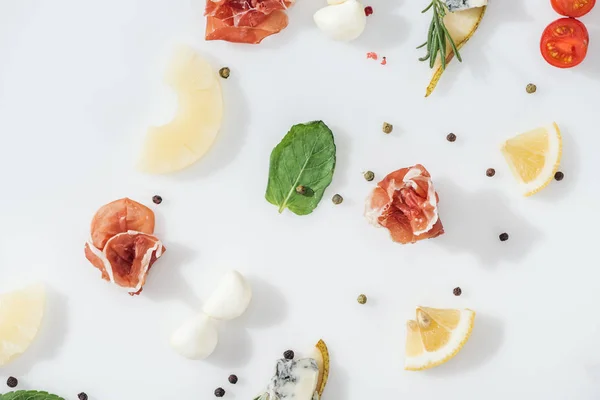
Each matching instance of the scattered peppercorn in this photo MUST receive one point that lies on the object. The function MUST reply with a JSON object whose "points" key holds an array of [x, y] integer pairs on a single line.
{"points": [[156, 199], [301, 190], [387, 128], [337, 199], [12, 382], [451, 137], [219, 392], [369, 176], [490, 172], [233, 379], [531, 88], [362, 299], [368, 10], [82, 396], [289, 355], [457, 291], [503, 237], [224, 72], [559, 176]]}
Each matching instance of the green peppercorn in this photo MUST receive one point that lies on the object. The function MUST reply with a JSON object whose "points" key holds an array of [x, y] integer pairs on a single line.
{"points": [[362, 299], [387, 128], [531, 88], [337, 199], [224, 72], [369, 176]]}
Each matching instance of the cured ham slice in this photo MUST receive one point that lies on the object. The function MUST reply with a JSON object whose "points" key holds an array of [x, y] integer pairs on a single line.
{"points": [[121, 244], [126, 259], [405, 202], [120, 216], [245, 21]]}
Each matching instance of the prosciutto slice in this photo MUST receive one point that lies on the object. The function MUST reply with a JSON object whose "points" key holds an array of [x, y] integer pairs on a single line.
{"points": [[245, 21], [405, 203]]}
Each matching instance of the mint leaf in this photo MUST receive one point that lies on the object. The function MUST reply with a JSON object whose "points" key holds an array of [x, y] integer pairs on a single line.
{"points": [[29, 395], [305, 157]]}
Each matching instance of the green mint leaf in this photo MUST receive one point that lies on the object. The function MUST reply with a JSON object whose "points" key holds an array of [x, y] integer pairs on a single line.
{"points": [[305, 157], [29, 395]]}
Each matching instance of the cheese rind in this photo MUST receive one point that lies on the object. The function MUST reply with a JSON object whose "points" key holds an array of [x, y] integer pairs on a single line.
{"points": [[459, 5]]}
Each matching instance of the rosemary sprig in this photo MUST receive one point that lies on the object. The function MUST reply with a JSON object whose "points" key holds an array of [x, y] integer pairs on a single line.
{"points": [[437, 36]]}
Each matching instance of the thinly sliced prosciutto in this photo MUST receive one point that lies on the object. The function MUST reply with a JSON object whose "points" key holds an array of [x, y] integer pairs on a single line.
{"points": [[121, 243], [405, 202], [245, 21]]}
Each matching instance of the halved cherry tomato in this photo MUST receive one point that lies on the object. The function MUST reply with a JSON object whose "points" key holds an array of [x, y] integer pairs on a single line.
{"points": [[564, 43], [573, 8]]}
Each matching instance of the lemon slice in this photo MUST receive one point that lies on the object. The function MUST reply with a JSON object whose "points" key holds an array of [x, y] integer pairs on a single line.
{"points": [[534, 157], [321, 356], [21, 314], [436, 336]]}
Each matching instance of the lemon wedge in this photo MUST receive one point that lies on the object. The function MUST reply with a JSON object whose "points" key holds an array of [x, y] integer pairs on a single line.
{"points": [[534, 157], [21, 314], [436, 336]]}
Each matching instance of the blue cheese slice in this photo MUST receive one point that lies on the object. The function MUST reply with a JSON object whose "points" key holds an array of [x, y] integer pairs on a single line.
{"points": [[294, 380], [459, 5]]}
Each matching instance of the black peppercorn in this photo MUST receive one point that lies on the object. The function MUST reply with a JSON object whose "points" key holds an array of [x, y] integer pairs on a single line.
{"points": [[156, 199], [503, 237], [337, 199], [219, 392], [12, 382], [559, 176], [233, 379], [82, 396], [490, 172], [451, 137], [457, 291], [530, 88], [288, 355]]}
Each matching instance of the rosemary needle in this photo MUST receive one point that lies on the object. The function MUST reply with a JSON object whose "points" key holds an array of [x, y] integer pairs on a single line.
{"points": [[437, 36]]}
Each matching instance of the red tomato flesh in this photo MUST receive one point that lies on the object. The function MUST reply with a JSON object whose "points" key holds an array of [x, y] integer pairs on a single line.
{"points": [[564, 43], [573, 8]]}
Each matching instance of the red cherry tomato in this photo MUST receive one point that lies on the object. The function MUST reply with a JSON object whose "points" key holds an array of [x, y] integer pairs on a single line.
{"points": [[573, 8], [564, 43]]}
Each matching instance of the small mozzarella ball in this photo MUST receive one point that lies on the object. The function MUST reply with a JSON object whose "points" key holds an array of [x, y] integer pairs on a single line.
{"points": [[344, 22], [231, 297], [196, 338]]}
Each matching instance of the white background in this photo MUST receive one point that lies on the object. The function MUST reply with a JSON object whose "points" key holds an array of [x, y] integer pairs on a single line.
{"points": [[80, 82]]}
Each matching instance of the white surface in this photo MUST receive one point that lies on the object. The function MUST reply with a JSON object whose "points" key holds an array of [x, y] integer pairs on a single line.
{"points": [[81, 80]]}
